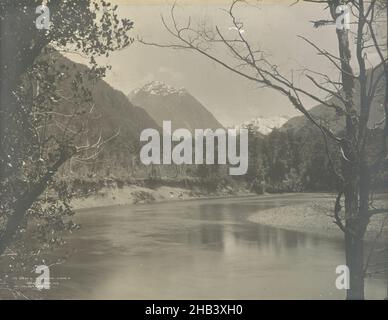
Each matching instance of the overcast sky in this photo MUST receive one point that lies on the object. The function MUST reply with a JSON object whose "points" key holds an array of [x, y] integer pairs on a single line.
{"points": [[229, 97]]}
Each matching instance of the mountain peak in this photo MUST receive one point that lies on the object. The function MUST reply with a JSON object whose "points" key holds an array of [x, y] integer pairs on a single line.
{"points": [[264, 125], [163, 102], [159, 88]]}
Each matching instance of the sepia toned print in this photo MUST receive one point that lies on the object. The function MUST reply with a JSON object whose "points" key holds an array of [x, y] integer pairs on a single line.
{"points": [[196, 150]]}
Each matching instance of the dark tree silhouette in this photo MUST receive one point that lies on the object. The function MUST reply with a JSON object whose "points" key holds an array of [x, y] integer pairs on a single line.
{"points": [[30, 152]]}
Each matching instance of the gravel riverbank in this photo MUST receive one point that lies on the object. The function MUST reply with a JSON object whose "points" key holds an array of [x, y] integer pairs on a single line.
{"points": [[315, 217]]}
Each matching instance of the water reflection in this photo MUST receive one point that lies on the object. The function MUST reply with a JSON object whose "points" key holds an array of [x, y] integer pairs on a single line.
{"points": [[199, 250], [220, 222]]}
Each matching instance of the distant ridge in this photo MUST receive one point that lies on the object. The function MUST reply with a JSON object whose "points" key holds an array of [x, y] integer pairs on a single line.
{"points": [[332, 120], [264, 125]]}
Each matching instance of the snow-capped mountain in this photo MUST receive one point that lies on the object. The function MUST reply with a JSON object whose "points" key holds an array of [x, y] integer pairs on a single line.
{"points": [[264, 125], [158, 88], [166, 103]]}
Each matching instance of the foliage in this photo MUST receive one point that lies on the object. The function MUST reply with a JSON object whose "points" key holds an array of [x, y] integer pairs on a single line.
{"points": [[36, 137]]}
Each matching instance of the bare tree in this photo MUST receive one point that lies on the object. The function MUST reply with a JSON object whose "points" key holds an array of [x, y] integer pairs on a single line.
{"points": [[357, 169]]}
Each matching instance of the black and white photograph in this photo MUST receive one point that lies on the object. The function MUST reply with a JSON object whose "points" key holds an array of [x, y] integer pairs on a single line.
{"points": [[221, 150]]}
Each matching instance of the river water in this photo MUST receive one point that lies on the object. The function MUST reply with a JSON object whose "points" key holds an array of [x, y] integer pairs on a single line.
{"points": [[199, 249]]}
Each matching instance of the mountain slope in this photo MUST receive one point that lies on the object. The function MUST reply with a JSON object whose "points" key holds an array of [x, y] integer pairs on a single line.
{"points": [[163, 102], [332, 120], [112, 112]]}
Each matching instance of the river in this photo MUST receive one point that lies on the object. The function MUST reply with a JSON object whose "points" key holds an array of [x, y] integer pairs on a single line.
{"points": [[198, 249]]}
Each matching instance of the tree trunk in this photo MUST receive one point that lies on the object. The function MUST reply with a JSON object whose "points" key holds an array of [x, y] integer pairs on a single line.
{"points": [[355, 261], [354, 222], [356, 192], [354, 246], [24, 202]]}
